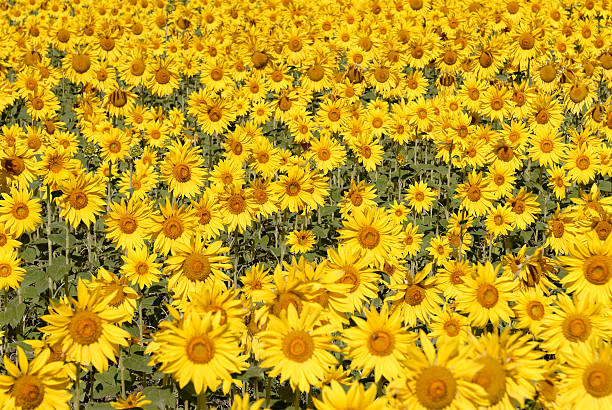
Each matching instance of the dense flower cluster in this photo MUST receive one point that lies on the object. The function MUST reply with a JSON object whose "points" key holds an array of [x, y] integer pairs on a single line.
{"points": [[366, 203]]}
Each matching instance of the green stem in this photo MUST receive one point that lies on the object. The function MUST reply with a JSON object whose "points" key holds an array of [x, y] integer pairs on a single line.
{"points": [[202, 399], [296, 401], [121, 373], [77, 401]]}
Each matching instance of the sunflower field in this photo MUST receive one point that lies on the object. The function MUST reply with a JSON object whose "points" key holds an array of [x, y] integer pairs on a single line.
{"points": [[306, 204]]}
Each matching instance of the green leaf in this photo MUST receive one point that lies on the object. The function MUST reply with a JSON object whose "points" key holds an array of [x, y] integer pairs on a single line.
{"points": [[57, 270], [137, 363], [160, 398], [98, 406], [106, 383], [29, 254], [13, 314]]}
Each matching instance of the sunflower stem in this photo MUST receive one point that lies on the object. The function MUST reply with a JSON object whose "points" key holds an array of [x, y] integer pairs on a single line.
{"points": [[122, 373], [296, 401], [268, 383], [49, 244], [202, 399], [77, 402], [67, 258]]}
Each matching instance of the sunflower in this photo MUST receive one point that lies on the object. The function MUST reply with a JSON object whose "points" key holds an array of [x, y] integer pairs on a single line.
{"points": [[11, 274], [327, 153], [128, 224], [161, 78], [573, 323], [509, 366], [545, 112], [238, 208], [208, 212], [85, 328], [416, 298], [198, 349], [450, 277], [183, 170], [499, 221], [561, 232], [294, 189], [172, 225], [351, 269], [586, 377], [214, 114], [368, 151], [119, 101], [373, 233], [437, 380], [196, 261], [524, 207], [420, 197], [300, 241], [225, 173], [496, 103], [582, 163], [359, 196], [531, 308], [449, 327], [42, 103], [36, 384], [335, 397], [589, 269], [19, 212], [82, 199], [140, 267], [486, 296], [476, 194], [256, 283], [296, 347], [378, 343], [547, 148], [124, 297], [132, 401], [114, 145]]}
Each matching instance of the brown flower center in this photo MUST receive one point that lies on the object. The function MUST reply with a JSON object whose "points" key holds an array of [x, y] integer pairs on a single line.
{"points": [[172, 227], [85, 327], [28, 391], [487, 295], [298, 346], [369, 238], [200, 349], [381, 343]]}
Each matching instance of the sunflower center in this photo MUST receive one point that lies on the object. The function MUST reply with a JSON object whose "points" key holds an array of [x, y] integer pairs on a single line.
{"points": [[316, 73], [578, 93], [236, 204], [137, 67], [260, 196], [487, 295], [436, 387], [63, 35], [182, 173], [381, 343], [603, 229], [78, 200], [107, 44], [117, 290], [497, 103], [356, 199], [127, 224], [414, 295], [172, 228], [381, 74], [583, 162], [216, 74], [452, 328], [263, 157], [492, 377], [542, 116], [527, 41], [558, 229], [369, 238], [597, 269], [215, 114], [162, 76], [118, 98], [81, 63], [535, 310], [200, 349], [350, 277], [518, 207], [293, 188], [486, 59], [85, 327], [298, 346], [28, 392], [142, 268], [597, 379], [333, 114], [3, 239], [450, 57], [505, 153], [474, 193], [5, 270], [14, 166], [196, 267], [366, 151], [37, 103], [259, 59], [576, 329], [546, 146]]}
